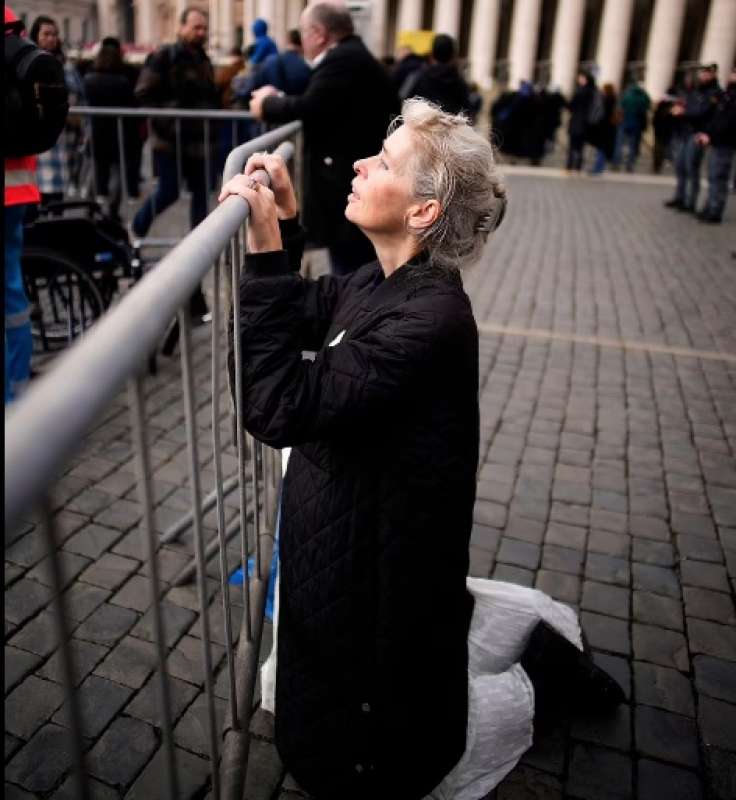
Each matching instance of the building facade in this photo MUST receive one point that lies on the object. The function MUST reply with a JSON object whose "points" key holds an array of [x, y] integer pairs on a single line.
{"points": [[503, 41]]}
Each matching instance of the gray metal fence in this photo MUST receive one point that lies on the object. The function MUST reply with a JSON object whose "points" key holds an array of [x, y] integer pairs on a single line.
{"points": [[44, 430]]}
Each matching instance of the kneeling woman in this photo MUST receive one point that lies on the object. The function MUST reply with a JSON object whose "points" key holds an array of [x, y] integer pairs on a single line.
{"points": [[376, 694]]}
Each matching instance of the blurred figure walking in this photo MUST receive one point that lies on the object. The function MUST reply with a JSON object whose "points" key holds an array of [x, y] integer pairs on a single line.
{"points": [[580, 119], [603, 134], [634, 105], [440, 81]]}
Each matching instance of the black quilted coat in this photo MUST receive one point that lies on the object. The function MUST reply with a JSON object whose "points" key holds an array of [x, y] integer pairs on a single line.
{"points": [[371, 688]]}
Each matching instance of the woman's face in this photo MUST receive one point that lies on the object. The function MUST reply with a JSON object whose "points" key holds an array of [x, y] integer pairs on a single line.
{"points": [[382, 187], [48, 37]]}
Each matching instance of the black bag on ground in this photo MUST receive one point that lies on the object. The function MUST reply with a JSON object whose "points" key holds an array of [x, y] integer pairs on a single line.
{"points": [[36, 97]]}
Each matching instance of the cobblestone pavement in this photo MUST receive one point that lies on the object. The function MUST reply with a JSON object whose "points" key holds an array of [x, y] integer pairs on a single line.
{"points": [[607, 479]]}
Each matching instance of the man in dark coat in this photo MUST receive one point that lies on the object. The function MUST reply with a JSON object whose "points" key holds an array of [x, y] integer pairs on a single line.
{"points": [[720, 135], [440, 82], [580, 119], [345, 110]]}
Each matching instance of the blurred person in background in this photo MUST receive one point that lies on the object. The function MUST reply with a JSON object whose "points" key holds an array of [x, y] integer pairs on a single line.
{"points": [[663, 127], [579, 123], [603, 134], [634, 106], [57, 166], [720, 137], [264, 44], [407, 63], [286, 70], [440, 81], [345, 110], [107, 84], [179, 75], [694, 112]]}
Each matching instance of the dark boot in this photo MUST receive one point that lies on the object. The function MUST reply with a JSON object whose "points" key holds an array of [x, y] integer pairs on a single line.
{"points": [[564, 678]]}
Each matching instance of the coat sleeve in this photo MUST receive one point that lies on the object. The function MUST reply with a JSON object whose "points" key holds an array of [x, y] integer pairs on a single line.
{"points": [[150, 86], [349, 388]]}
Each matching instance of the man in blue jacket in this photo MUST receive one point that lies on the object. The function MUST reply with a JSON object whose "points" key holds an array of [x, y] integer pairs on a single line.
{"points": [[287, 71], [265, 45]]}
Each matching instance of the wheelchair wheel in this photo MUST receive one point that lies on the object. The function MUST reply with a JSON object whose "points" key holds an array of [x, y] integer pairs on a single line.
{"points": [[64, 299]]}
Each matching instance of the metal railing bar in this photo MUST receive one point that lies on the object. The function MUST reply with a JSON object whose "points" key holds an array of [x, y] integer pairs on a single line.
{"points": [[140, 318], [153, 111], [191, 424], [187, 572], [235, 162], [121, 152], [177, 145], [217, 462], [207, 168], [209, 502], [148, 546], [257, 453], [65, 653]]}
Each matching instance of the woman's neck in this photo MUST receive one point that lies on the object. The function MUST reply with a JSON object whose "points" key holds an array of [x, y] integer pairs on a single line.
{"points": [[393, 253]]}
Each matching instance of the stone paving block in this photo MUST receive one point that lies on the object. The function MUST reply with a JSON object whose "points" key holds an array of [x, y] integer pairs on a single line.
{"points": [[529, 508], [666, 736], [571, 492], [650, 552], [527, 530], [185, 660], [12, 574], [18, 664], [30, 705], [99, 701], [39, 635], [192, 730], [715, 677], [618, 668], [599, 774], [717, 723], [134, 594], [170, 563], [217, 623], [522, 577], [657, 580], [120, 514], [721, 773], [40, 764], [649, 528], [176, 621], [711, 639], [612, 729], [480, 562], [131, 736], [187, 596], [648, 505], [518, 553], [660, 646], [85, 656], [663, 688], [570, 514], [606, 633], [485, 538], [490, 514], [559, 585], [562, 559], [612, 521], [107, 625], [109, 571], [90, 502], [705, 604], [70, 565], [97, 790], [565, 536], [146, 704], [130, 662], [707, 576], [658, 610], [12, 745], [28, 550], [81, 599], [193, 774], [612, 544], [699, 548], [606, 599], [494, 491], [607, 569], [92, 540], [657, 780], [525, 782], [547, 751], [693, 524], [24, 599]]}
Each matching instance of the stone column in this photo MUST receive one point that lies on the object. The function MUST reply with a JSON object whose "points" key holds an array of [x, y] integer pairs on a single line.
{"points": [[524, 38], [483, 41], [410, 15], [719, 42], [145, 23], [613, 41], [294, 10], [664, 42], [379, 18], [213, 24], [249, 15], [227, 25], [447, 17], [566, 44], [107, 19]]}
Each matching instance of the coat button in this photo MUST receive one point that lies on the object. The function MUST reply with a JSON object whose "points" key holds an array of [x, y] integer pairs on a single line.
{"points": [[359, 768], [365, 708]]}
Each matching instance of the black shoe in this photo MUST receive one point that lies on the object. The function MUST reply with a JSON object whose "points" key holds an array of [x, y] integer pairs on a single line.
{"points": [[678, 204], [705, 216], [564, 678], [685, 209]]}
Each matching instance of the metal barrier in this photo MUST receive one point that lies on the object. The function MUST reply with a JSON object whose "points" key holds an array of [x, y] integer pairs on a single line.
{"points": [[44, 429]]}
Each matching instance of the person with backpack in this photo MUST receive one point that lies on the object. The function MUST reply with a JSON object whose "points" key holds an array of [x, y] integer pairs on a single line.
{"points": [[179, 75], [36, 107], [586, 109]]}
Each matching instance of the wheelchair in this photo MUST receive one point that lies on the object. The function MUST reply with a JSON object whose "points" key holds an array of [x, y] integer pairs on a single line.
{"points": [[73, 259]]}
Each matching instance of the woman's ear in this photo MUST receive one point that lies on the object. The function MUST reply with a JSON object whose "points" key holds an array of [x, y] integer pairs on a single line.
{"points": [[421, 216]]}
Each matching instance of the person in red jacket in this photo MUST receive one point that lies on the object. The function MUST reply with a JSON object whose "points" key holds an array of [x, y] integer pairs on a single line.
{"points": [[20, 191]]}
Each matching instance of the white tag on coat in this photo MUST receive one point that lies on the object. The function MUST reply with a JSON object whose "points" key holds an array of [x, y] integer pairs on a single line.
{"points": [[337, 339]]}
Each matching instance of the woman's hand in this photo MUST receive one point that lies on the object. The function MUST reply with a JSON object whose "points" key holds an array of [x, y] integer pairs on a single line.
{"points": [[264, 235], [280, 182]]}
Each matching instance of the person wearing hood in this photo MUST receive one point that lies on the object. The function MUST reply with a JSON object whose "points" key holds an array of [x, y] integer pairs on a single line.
{"points": [[441, 82], [720, 136], [265, 45]]}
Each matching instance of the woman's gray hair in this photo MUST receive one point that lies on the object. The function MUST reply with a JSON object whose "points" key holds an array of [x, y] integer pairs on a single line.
{"points": [[455, 165]]}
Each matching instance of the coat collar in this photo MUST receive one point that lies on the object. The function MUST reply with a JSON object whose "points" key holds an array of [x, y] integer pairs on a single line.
{"points": [[395, 289]]}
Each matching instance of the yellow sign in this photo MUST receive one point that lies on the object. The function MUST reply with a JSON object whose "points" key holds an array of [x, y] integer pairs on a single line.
{"points": [[420, 42]]}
